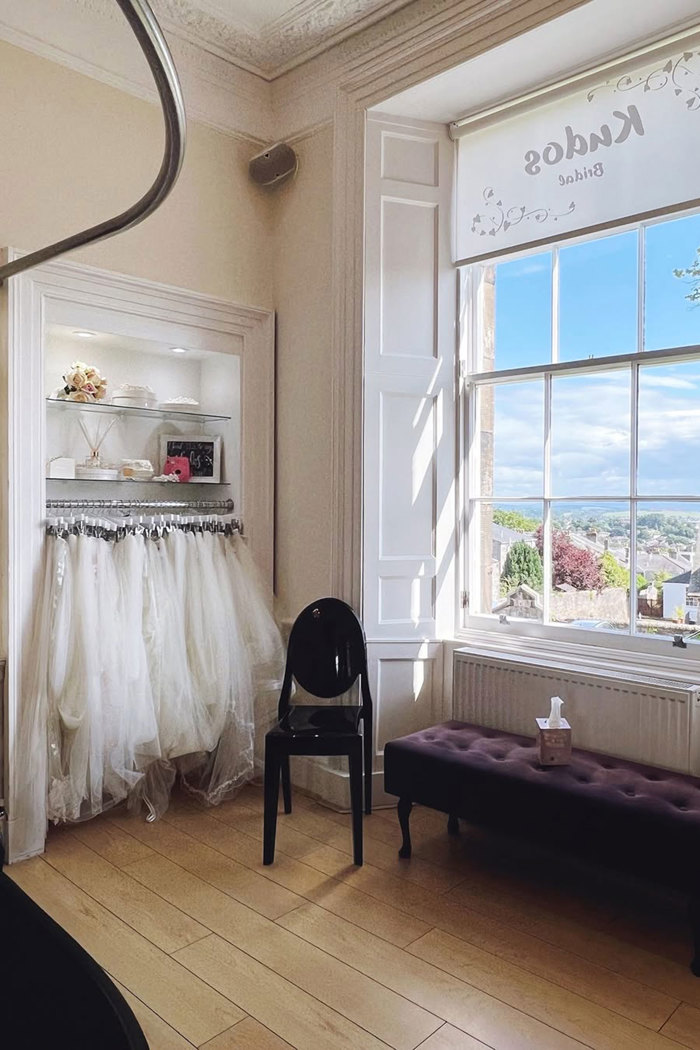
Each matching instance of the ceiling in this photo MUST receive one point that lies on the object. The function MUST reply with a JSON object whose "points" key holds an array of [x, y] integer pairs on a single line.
{"points": [[270, 36]]}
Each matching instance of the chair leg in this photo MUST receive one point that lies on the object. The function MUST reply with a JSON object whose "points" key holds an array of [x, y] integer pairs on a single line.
{"points": [[355, 761], [272, 790], [367, 743], [286, 784]]}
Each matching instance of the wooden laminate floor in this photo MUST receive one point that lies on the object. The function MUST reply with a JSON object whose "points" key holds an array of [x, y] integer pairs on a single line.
{"points": [[470, 944]]}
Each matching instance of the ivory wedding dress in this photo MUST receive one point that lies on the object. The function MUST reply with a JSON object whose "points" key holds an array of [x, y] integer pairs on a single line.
{"points": [[156, 653]]}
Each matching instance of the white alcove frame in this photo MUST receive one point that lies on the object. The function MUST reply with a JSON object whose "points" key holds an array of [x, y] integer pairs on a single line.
{"points": [[102, 300]]}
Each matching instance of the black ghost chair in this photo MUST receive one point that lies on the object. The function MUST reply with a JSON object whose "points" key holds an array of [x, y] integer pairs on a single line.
{"points": [[325, 656]]}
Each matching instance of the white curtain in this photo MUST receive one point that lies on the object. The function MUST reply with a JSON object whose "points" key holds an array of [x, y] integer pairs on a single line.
{"points": [[155, 650]]}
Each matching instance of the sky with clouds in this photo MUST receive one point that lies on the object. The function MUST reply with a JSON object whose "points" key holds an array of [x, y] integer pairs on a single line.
{"points": [[590, 413]]}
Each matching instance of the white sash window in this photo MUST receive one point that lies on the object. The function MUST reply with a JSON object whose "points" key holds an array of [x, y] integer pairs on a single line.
{"points": [[583, 401]]}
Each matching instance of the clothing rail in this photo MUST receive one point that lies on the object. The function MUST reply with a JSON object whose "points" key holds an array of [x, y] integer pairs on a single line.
{"points": [[152, 42], [225, 506]]}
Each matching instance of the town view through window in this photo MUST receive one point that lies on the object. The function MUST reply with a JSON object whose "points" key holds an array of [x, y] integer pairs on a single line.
{"points": [[585, 498]]}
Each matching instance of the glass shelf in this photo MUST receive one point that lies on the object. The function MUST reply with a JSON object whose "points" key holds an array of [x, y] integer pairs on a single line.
{"points": [[99, 408], [134, 481]]}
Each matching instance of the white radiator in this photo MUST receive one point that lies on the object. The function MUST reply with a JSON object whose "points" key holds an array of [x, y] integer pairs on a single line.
{"points": [[644, 719]]}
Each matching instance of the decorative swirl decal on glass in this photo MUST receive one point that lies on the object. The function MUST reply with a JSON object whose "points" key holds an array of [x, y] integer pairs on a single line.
{"points": [[681, 73], [495, 218]]}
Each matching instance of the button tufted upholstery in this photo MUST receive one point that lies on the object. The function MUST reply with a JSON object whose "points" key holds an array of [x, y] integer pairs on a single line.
{"points": [[618, 812]]}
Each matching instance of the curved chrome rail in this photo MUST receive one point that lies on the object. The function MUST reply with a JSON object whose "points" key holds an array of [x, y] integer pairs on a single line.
{"points": [[143, 22]]}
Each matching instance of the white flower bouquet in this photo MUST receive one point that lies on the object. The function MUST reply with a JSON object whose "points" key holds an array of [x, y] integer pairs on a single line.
{"points": [[82, 383]]}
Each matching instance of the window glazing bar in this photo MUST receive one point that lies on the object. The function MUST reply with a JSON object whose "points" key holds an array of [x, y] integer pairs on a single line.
{"points": [[670, 498], [152, 42], [586, 364]]}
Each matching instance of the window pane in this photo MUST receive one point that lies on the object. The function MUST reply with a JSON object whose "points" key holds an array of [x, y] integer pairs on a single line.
{"points": [[517, 312], [591, 434], [668, 569], [590, 566], [669, 429], [671, 316], [598, 298], [510, 564], [512, 439]]}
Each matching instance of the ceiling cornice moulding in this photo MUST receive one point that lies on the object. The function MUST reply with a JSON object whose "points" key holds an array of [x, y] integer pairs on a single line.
{"points": [[284, 43], [410, 45], [92, 37]]}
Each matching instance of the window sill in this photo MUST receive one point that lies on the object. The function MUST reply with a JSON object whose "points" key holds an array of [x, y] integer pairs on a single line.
{"points": [[623, 655]]}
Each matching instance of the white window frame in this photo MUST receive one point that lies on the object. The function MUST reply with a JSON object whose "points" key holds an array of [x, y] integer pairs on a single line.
{"points": [[529, 631]]}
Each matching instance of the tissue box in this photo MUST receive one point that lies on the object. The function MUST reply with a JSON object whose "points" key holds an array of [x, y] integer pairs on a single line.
{"points": [[555, 744]]}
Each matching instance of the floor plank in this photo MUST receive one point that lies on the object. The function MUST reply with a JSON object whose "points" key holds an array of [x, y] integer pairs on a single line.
{"points": [[187, 1003], [561, 1009], [160, 1036], [382, 919], [213, 866], [317, 824], [503, 912], [279, 1005], [294, 875], [248, 1034], [397, 1022], [138, 907], [111, 843], [449, 1038], [632, 999], [467, 1008], [487, 947], [290, 840], [684, 1026]]}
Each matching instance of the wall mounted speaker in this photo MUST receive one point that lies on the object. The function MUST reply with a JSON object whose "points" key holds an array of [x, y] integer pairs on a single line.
{"points": [[273, 165]]}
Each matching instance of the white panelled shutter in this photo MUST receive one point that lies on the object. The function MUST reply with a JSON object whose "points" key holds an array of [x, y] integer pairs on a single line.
{"points": [[409, 433]]}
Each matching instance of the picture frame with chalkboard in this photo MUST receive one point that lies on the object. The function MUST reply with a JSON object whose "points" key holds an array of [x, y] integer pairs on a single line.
{"points": [[203, 452]]}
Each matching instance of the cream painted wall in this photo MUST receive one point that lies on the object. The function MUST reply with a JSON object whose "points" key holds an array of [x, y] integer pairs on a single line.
{"points": [[302, 294], [75, 151]]}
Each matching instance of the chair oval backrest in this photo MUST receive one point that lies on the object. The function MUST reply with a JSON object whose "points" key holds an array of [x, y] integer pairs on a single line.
{"points": [[326, 649]]}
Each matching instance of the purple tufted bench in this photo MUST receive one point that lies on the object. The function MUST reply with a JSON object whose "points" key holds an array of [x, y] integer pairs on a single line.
{"points": [[619, 813]]}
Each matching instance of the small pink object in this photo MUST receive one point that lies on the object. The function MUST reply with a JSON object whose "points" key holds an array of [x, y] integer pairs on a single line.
{"points": [[179, 465]]}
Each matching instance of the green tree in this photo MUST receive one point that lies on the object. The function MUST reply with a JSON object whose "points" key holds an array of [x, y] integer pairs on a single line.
{"points": [[660, 579], [513, 519], [613, 573], [523, 565], [692, 272]]}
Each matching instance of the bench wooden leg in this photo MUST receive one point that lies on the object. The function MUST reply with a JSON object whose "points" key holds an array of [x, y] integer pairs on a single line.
{"points": [[452, 825], [694, 913], [404, 810]]}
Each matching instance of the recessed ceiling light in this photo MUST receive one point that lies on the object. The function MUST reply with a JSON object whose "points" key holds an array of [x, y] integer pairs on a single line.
{"points": [[178, 349], [84, 335]]}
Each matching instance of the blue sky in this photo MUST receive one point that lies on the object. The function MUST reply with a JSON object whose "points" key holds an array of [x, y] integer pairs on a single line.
{"points": [[590, 413]]}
